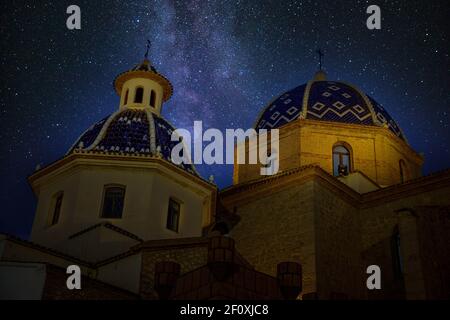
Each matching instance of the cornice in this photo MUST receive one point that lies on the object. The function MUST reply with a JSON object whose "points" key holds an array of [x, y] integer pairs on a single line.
{"points": [[409, 188], [242, 193], [99, 158], [253, 189]]}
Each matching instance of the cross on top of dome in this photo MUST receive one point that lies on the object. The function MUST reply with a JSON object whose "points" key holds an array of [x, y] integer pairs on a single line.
{"points": [[144, 70], [321, 55], [148, 48]]}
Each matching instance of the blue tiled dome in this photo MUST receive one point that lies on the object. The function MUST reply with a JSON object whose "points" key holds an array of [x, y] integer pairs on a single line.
{"points": [[326, 101], [132, 132]]}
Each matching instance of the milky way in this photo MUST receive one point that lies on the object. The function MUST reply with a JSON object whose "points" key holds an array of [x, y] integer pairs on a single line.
{"points": [[226, 61]]}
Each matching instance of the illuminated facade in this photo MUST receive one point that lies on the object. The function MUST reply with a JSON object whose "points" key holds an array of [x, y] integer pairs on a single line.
{"points": [[119, 172], [321, 117], [349, 194]]}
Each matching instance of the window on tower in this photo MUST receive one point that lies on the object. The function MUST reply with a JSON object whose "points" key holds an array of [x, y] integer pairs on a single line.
{"points": [[113, 200], [56, 209], [173, 215], [402, 166], [152, 98], [397, 260], [125, 101], [341, 160], [139, 95]]}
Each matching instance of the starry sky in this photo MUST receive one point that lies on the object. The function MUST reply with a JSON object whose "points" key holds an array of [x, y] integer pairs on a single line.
{"points": [[226, 60]]}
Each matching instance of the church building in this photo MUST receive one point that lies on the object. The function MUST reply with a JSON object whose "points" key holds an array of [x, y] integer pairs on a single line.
{"points": [[349, 194]]}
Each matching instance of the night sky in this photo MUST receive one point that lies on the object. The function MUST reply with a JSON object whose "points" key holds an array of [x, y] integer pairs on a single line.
{"points": [[226, 61]]}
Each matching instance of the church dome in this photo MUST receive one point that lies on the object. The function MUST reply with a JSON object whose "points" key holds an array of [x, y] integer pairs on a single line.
{"points": [[136, 132], [137, 128], [324, 100]]}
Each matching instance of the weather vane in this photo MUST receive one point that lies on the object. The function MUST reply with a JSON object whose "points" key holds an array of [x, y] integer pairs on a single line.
{"points": [[321, 54], [148, 48]]}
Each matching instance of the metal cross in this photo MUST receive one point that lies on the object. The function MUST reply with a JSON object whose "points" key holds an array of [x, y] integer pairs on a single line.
{"points": [[148, 48], [321, 54]]}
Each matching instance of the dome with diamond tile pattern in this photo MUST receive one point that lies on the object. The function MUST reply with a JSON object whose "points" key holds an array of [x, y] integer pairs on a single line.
{"points": [[326, 101], [130, 132]]}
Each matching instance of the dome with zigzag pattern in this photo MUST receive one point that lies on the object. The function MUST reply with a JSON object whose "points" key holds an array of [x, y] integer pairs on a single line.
{"points": [[326, 101]]}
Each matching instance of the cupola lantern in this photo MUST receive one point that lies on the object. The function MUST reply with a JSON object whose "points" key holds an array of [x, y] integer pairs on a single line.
{"points": [[143, 87]]}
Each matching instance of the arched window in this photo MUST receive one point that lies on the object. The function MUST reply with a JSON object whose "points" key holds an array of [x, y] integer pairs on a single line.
{"points": [[402, 166], [397, 260], [139, 95], [125, 101], [56, 208], [341, 160], [113, 200], [152, 98], [173, 215]]}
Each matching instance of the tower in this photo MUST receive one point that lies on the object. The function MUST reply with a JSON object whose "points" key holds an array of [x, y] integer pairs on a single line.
{"points": [[336, 145], [340, 128], [117, 186]]}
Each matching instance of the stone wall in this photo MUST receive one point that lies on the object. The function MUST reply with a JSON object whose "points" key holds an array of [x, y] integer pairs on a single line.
{"points": [[276, 226], [434, 240], [338, 246], [308, 217], [375, 151], [189, 258], [379, 218], [243, 284]]}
